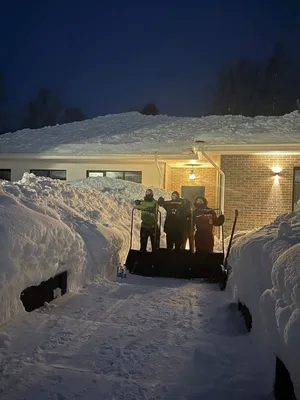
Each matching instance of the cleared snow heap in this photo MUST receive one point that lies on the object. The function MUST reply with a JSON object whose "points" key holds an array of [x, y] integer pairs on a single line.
{"points": [[266, 277], [47, 227]]}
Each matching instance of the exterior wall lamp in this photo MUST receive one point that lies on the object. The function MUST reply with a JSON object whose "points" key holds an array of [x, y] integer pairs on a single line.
{"points": [[276, 173], [192, 176]]}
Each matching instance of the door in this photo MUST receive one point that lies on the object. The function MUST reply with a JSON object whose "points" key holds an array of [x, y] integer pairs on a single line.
{"points": [[191, 192]]}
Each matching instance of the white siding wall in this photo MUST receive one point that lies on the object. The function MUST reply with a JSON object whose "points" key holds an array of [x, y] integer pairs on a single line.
{"points": [[150, 174]]}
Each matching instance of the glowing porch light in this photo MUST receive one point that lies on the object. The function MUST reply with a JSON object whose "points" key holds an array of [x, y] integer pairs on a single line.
{"points": [[276, 171], [192, 176]]}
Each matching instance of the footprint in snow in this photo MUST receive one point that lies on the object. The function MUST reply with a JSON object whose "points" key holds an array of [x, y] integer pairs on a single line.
{"points": [[4, 340]]}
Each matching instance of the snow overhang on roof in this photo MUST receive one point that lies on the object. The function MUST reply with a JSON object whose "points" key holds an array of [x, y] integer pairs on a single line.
{"points": [[136, 134]]}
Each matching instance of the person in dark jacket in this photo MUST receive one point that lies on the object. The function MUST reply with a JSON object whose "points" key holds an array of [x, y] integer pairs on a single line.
{"points": [[149, 228], [204, 219], [175, 220]]}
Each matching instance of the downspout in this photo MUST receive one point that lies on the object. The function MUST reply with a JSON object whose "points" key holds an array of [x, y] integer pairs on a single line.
{"points": [[221, 179], [159, 171]]}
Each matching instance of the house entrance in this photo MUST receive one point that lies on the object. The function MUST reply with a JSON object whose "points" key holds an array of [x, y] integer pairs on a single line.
{"points": [[191, 192]]}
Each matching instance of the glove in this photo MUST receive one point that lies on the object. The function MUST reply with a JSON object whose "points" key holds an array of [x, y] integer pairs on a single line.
{"points": [[151, 209], [160, 201], [137, 202], [221, 219]]}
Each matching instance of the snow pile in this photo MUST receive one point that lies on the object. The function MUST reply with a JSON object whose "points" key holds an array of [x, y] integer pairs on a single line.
{"points": [[266, 277], [136, 133], [47, 227]]}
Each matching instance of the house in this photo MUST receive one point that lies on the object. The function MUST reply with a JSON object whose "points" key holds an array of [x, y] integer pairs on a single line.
{"points": [[252, 164]]}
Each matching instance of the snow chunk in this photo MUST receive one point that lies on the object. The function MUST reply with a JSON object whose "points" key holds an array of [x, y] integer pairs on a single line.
{"points": [[4, 340]]}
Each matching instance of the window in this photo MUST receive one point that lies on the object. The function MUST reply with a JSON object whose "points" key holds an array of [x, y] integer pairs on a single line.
{"points": [[5, 174], [132, 176], [296, 189], [94, 174], [115, 174], [50, 173]]}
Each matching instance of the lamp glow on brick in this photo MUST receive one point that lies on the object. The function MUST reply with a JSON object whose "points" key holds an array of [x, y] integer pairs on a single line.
{"points": [[192, 176], [276, 171]]}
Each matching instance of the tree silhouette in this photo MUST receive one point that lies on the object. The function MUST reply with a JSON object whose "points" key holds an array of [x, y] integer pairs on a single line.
{"points": [[3, 104], [42, 110], [253, 88], [68, 115], [149, 109]]}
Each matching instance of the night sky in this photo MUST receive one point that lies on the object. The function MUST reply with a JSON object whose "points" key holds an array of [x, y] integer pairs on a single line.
{"points": [[113, 56]]}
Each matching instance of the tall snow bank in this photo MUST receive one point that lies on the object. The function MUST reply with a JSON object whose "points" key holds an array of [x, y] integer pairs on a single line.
{"points": [[48, 226], [266, 277]]}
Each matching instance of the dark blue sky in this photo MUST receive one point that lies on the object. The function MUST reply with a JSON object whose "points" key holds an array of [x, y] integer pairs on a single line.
{"points": [[110, 56]]}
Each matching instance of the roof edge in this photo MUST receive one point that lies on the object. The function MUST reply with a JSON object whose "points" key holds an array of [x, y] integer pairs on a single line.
{"points": [[293, 148], [96, 157]]}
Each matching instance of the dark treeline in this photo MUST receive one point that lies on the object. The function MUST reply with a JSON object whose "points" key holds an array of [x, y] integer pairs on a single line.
{"points": [[251, 88], [244, 87]]}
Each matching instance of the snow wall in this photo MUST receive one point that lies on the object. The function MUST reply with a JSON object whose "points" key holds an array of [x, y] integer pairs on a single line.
{"points": [[48, 226], [266, 278]]}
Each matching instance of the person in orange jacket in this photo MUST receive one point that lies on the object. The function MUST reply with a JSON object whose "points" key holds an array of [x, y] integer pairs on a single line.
{"points": [[204, 219]]}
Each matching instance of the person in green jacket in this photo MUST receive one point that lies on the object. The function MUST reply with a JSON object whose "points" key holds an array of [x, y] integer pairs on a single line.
{"points": [[149, 228]]}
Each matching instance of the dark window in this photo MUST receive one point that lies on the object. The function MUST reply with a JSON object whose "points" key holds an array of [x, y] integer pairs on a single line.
{"points": [[115, 174], [5, 174], [132, 176], [50, 173], [296, 189]]}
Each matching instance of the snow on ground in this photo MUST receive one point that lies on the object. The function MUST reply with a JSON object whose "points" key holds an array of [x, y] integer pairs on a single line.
{"points": [[266, 277], [48, 226], [132, 132], [140, 338]]}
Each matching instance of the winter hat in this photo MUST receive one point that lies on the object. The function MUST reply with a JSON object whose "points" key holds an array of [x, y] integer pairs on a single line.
{"points": [[203, 199], [148, 195], [175, 192]]}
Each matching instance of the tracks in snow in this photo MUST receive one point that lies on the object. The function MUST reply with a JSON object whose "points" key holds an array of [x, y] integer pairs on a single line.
{"points": [[124, 341]]}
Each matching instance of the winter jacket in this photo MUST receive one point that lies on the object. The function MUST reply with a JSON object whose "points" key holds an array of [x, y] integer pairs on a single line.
{"points": [[177, 214], [206, 219], [149, 211]]}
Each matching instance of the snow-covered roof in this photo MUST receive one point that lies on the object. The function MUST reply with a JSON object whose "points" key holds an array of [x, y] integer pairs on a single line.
{"points": [[133, 133]]}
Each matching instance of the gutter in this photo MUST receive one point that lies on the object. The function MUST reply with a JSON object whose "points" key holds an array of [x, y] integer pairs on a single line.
{"points": [[94, 157], [221, 179], [267, 148], [159, 171]]}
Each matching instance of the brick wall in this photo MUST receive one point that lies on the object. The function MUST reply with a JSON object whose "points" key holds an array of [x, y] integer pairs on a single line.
{"points": [[249, 186], [207, 177]]}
